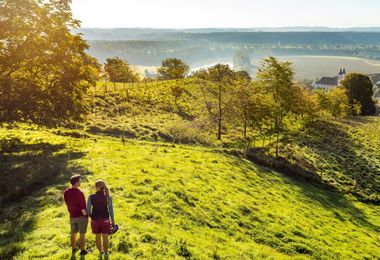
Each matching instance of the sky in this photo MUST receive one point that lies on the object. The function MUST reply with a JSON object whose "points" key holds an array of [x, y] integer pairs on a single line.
{"points": [[226, 13]]}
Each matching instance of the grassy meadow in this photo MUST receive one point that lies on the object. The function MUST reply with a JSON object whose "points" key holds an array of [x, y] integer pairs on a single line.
{"points": [[174, 201], [179, 194]]}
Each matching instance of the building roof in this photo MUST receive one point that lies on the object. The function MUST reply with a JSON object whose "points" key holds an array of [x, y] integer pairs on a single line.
{"points": [[330, 81], [375, 78]]}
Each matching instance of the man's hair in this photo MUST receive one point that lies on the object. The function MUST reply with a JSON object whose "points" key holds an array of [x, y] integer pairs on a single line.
{"points": [[74, 179]]}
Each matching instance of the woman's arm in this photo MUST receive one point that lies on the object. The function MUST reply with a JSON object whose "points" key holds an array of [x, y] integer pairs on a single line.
{"points": [[89, 206], [110, 210]]}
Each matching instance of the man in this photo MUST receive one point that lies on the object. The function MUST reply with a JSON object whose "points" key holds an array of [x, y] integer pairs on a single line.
{"points": [[76, 204]]}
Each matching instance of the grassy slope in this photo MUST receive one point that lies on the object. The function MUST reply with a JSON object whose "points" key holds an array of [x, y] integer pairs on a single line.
{"points": [[345, 154], [220, 205]]}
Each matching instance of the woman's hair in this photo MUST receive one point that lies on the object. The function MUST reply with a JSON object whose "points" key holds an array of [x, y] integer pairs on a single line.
{"points": [[103, 187]]}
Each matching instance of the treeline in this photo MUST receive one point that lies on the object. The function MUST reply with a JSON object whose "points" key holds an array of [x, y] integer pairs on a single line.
{"points": [[269, 106], [44, 69], [151, 53], [45, 74], [275, 103]]}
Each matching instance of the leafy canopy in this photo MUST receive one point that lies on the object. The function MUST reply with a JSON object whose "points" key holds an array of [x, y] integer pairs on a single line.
{"points": [[360, 90], [173, 68], [119, 70], [44, 70]]}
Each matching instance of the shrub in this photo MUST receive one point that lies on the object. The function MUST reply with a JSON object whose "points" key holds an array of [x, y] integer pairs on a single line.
{"points": [[186, 132], [124, 245], [182, 249]]}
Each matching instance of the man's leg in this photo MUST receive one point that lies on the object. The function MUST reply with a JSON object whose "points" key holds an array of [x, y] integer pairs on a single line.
{"points": [[82, 226], [74, 241], [99, 242], [105, 242], [82, 241]]}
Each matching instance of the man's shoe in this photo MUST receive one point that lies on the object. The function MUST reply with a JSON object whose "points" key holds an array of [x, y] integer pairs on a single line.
{"points": [[83, 252], [74, 250]]}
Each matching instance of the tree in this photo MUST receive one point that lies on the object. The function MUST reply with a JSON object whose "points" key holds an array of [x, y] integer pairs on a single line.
{"points": [[118, 70], [173, 68], [218, 92], [245, 99], [277, 80], [44, 69], [360, 90], [335, 102]]}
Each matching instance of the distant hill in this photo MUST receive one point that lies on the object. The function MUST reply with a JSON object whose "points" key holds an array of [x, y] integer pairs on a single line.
{"points": [[112, 34], [202, 47]]}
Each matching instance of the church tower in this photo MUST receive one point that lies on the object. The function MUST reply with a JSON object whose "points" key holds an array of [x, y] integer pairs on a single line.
{"points": [[341, 75]]}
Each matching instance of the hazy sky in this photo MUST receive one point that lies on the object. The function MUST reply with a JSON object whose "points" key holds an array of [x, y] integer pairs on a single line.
{"points": [[226, 13]]}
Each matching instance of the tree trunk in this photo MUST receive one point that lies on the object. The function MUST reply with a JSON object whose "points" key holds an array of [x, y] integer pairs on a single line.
{"points": [[277, 137], [220, 112]]}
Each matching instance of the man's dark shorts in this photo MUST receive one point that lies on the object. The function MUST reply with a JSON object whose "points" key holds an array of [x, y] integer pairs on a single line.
{"points": [[79, 225]]}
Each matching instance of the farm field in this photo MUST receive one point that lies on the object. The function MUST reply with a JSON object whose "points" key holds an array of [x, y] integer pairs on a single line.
{"points": [[312, 67], [306, 67], [174, 201]]}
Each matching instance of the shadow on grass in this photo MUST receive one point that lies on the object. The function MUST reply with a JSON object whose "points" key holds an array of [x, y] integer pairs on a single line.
{"points": [[334, 201], [29, 169], [347, 169], [331, 200]]}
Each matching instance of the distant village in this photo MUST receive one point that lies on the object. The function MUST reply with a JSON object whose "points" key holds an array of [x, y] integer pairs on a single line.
{"points": [[331, 82]]}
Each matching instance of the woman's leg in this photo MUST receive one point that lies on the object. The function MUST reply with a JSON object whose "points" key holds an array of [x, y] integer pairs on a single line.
{"points": [[99, 242], [105, 243]]}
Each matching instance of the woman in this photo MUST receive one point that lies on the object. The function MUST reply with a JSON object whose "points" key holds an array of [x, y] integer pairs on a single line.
{"points": [[100, 209]]}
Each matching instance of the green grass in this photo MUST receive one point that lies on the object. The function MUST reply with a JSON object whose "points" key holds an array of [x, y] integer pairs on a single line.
{"points": [[345, 154], [174, 201]]}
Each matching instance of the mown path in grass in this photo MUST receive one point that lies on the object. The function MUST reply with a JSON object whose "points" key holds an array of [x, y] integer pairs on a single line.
{"points": [[176, 202]]}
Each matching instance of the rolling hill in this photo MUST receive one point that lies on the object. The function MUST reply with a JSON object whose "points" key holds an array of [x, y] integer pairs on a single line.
{"points": [[174, 201], [203, 200]]}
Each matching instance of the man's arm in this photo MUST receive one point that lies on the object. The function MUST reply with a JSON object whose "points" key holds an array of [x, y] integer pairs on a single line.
{"points": [[89, 206], [82, 203], [110, 210]]}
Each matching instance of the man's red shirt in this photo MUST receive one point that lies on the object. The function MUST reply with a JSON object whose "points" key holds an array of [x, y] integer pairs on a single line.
{"points": [[75, 202]]}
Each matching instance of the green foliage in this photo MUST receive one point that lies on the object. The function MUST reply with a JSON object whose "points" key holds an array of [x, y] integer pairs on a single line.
{"points": [[173, 68], [218, 92], [119, 70], [285, 97], [360, 90], [335, 102], [44, 69]]}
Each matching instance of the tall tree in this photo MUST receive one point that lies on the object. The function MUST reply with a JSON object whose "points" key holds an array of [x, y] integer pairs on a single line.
{"points": [[173, 68], [118, 70], [244, 101], [360, 90], [218, 92], [277, 80], [44, 69]]}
